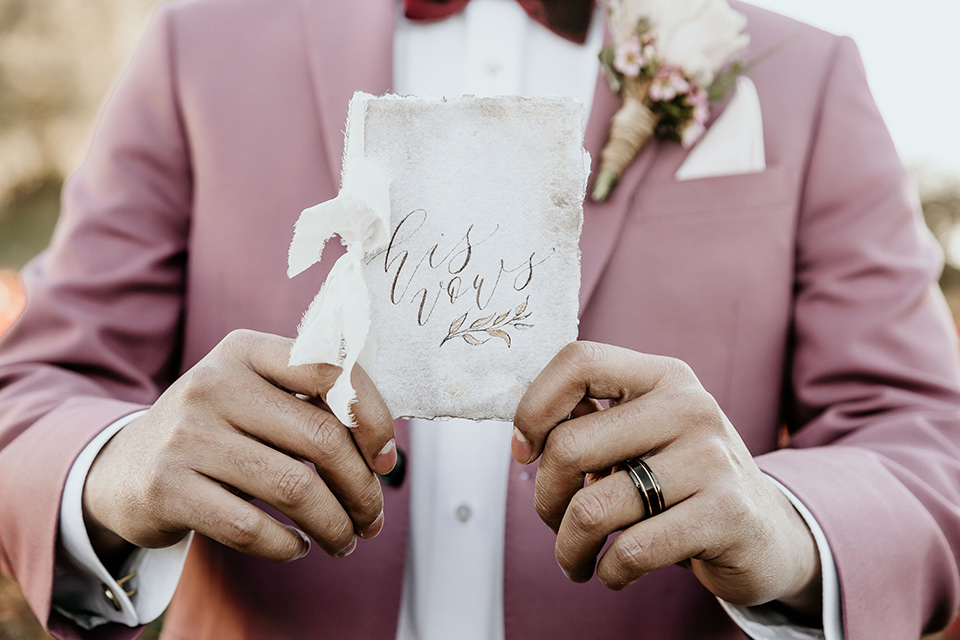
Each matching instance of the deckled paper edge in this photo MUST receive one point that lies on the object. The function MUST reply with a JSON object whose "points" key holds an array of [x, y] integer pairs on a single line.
{"points": [[335, 329], [342, 396]]}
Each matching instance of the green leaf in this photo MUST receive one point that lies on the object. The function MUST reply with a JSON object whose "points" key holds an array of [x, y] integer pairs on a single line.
{"points": [[614, 77], [725, 81], [652, 68], [607, 55], [673, 110], [643, 26]]}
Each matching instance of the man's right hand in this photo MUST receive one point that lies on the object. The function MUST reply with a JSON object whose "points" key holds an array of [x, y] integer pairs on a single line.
{"points": [[231, 426]]}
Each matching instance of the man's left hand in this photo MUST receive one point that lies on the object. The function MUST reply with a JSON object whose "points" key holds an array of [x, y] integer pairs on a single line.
{"points": [[724, 519]]}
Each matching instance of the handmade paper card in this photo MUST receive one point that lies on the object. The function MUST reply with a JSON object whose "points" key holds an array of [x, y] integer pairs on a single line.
{"points": [[461, 219]]}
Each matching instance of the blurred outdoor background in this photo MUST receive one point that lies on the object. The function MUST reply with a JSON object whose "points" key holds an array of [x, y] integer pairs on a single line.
{"points": [[58, 59]]}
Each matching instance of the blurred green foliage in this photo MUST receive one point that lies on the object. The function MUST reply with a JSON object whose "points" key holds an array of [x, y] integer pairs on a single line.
{"points": [[26, 223]]}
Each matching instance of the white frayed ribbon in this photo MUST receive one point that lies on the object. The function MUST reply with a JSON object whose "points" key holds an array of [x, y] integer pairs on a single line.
{"points": [[334, 328]]}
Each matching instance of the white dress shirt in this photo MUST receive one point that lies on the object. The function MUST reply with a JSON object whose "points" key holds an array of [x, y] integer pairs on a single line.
{"points": [[453, 585]]}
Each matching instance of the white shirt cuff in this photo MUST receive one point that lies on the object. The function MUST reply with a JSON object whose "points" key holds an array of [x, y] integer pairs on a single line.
{"points": [[766, 623], [79, 590]]}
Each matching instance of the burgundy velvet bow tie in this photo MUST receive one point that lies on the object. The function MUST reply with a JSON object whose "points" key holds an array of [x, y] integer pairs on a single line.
{"points": [[568, 19]]}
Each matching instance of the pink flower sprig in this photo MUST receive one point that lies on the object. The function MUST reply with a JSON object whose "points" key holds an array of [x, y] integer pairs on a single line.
{"points": [[681, 104], [684, 106], [634, 55], [668, 84], [698, 99], [667, 73]]}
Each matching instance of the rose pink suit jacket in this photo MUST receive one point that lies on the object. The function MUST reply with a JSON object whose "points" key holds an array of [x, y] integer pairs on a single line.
{"points": [[802, 295]]}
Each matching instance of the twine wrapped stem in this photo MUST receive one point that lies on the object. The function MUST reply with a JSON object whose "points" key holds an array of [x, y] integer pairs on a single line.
{"points": [[632, 126]]}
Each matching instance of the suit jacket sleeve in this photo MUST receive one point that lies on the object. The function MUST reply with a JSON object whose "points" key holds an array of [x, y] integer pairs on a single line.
{"points": [[98, 338], [874, 375]]}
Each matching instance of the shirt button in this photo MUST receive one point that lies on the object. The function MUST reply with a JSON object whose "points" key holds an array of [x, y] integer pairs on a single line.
{"points": [[525, 475], [464, 512]]}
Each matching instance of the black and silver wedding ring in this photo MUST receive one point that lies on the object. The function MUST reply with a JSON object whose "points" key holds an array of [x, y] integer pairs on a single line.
{"points": [[647, 484]]}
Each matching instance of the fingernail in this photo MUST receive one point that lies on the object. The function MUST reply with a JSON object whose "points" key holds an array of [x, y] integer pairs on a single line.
{"points": [[374, 529], [306, 542], [522, 449], [386, 460], [343, 553]]}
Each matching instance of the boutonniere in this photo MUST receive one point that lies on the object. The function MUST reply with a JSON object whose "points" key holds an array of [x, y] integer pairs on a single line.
{"points": [[665, 62]]}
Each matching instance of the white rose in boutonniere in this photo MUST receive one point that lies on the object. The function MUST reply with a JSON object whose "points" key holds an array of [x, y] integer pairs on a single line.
{"points": [[698, 36], [665, 62]]}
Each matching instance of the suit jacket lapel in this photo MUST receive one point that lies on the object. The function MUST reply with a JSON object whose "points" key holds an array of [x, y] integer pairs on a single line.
{"points": [[350, 48], [602, 221]]}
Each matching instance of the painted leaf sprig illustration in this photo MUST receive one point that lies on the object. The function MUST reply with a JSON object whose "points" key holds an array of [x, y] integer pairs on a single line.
{"points": [[495, 325]]}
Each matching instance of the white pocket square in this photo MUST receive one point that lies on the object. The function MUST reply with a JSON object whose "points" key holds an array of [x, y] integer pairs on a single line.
{"points": [[733, 145]]}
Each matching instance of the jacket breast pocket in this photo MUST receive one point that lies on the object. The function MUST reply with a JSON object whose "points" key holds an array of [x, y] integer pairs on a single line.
{"points": [[718, 198]]}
